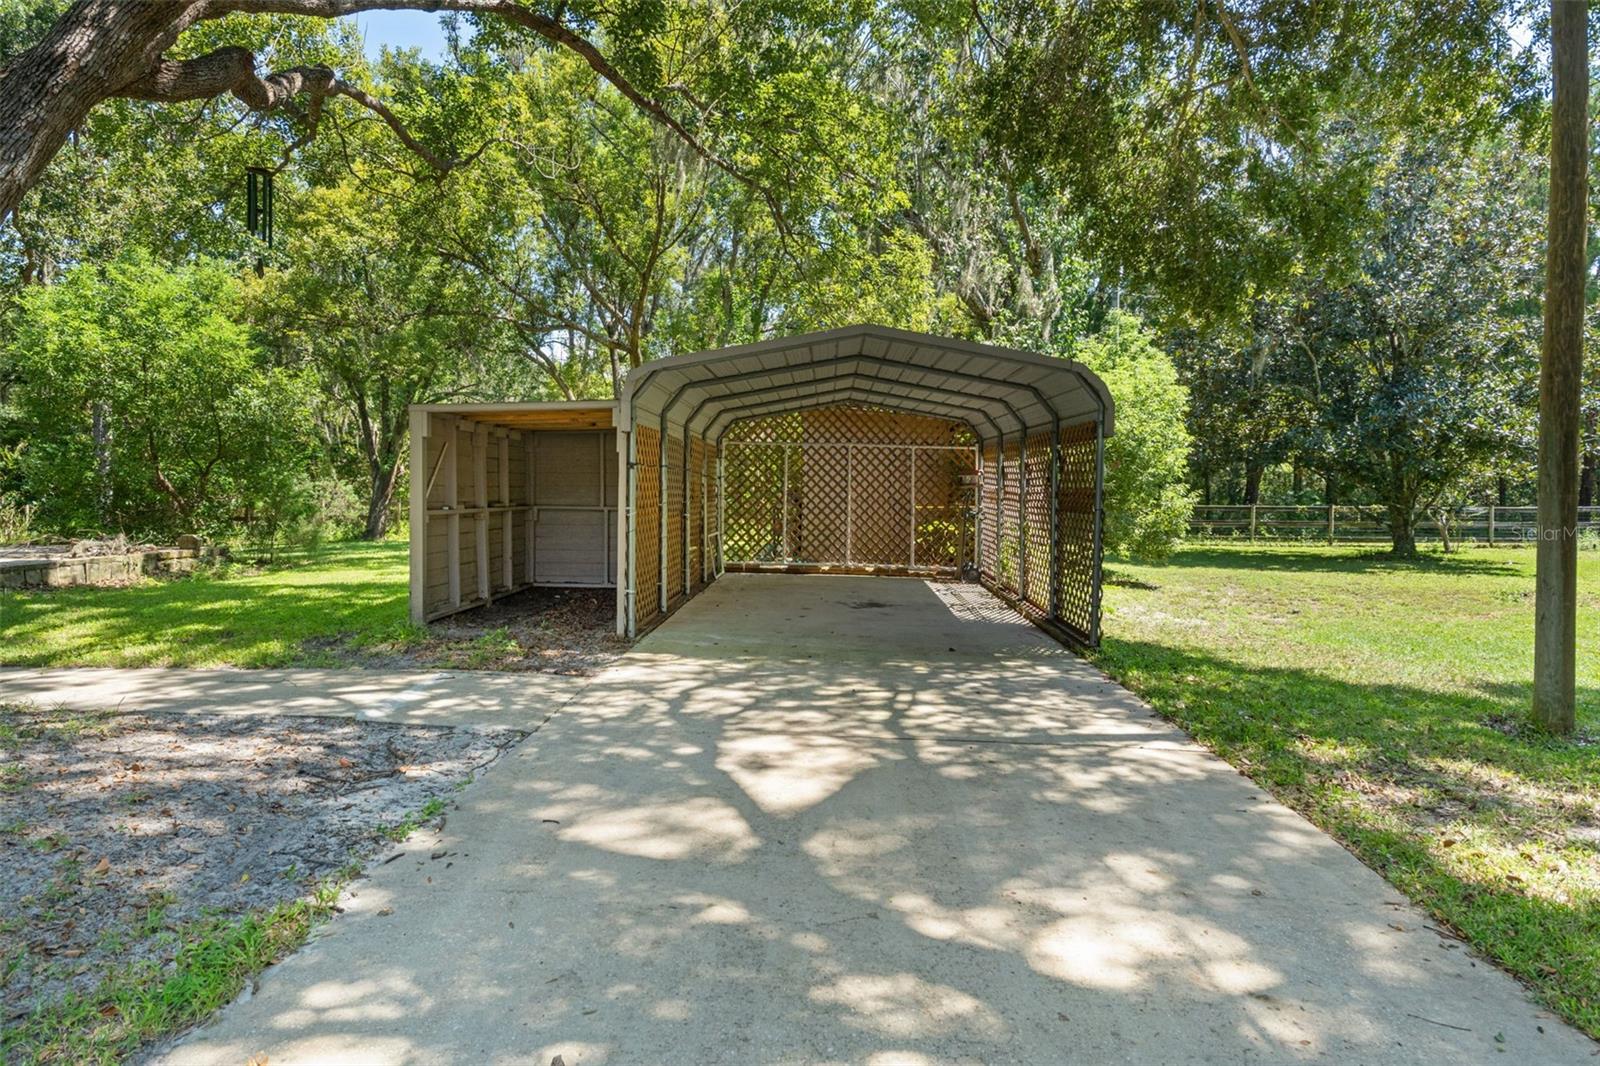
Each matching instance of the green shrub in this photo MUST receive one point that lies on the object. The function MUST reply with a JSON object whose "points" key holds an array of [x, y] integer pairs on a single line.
{"points": [[1147, 499]]}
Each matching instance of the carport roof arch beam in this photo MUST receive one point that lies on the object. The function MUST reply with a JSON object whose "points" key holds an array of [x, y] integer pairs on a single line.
{"points": [[1040, 392], [862, 385], [830, 398]]}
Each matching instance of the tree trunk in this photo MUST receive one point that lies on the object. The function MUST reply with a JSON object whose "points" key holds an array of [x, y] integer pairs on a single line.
{"points": [[1330, 490], [381, 500], [1252, 483], [100, 430], [1403, 530], [91, 51], [1503, 492], [1555, 627]]}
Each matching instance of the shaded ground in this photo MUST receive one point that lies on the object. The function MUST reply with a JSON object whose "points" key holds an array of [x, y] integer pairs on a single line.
{"points": [[117, 829], [547, 630]]}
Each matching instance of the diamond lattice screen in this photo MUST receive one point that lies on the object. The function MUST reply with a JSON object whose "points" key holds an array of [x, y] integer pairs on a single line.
{"points": [[849, 486]]}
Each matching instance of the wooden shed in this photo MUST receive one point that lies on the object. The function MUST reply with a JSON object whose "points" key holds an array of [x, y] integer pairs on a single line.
{"points": [[863, 449], [508, 496]]}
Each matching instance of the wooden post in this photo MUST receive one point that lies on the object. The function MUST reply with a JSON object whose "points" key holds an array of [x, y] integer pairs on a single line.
{"points": [[452, 500], [1022, 516], [783, 502], [1330, 523], [624, 520], [849, 495], [1491, 525], [1055, 522], [417, 533], [1252, 523], [913, 505], [999, 505], [665, 517], [508, 517], [480, 488], [705, 512], [683, 493], [1555, 627], [531, 523]]}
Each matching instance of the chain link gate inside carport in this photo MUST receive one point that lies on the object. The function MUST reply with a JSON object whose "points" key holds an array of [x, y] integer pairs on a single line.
{"points": [[850, 487]]}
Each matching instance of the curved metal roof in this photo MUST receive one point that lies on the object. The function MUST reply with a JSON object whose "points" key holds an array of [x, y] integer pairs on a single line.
{"points": [[996, 391]]}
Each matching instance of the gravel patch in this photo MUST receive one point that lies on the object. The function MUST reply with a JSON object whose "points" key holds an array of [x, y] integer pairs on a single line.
{"points": [[115, 829]]}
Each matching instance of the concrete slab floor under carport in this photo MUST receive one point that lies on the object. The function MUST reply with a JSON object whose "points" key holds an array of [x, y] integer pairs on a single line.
{"points": [[841, 819]]}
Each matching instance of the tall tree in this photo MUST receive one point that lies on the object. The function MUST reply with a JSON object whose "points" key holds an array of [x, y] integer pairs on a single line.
{"points": [[1417, 373], [145, 405], [1191, 136], [717, 78], [1555, 648], [385, 323]]}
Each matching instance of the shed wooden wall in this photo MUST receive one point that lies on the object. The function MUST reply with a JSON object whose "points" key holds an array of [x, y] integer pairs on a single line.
{"points": [[676, 538]]}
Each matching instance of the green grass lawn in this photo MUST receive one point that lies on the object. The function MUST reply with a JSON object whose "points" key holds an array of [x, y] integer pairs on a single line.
{"points": [[235, 616], [1386, 700]]}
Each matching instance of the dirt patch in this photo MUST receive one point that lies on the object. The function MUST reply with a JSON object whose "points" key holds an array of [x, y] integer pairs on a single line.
{"points": [[543, 630], [117, 829]]}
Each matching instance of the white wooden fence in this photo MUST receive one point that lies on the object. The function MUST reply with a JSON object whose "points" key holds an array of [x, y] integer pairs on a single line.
{"points": [[1361, 524]]}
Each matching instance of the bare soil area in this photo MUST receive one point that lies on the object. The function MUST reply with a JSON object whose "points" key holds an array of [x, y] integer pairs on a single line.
{"points": [[543, 630], [117, 829]]}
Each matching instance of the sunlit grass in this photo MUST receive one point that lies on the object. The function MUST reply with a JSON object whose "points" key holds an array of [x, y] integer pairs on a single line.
{"points": [[1388, 701], [232, 616]]}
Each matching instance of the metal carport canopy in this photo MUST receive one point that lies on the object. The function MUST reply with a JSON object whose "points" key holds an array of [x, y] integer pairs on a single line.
{"points": [[996, 391]]}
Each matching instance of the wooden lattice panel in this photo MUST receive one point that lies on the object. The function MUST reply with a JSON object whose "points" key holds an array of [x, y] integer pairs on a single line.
{"points": [[647, 524], [942, 500], [695, 514], [672, 514], [713, 515], [1010, 532], [1036, 523], [752, 479], [777, 428], [989, 514], [834, 486], [819, 529], [1076, 517], [880, 506]]}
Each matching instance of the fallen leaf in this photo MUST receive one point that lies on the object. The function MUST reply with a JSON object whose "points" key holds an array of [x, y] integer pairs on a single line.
{"points": [[103, 867], [345, 763]]}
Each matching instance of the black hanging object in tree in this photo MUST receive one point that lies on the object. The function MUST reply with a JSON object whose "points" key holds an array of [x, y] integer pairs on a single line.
{"points": [[258, 208]]}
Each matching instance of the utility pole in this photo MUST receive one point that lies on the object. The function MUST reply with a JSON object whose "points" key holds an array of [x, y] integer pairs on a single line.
{"points": [[1555, 626]]}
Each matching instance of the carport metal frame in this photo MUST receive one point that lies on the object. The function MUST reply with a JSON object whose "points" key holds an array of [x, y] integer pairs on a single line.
{"points": [[878, 390]]}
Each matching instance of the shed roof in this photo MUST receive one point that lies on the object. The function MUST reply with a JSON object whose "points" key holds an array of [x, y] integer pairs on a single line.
{"points": [[533, 414], [996, 391]]}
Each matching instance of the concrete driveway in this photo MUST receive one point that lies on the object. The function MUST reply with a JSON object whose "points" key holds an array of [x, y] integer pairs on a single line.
{"points": [[835, 819]]}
